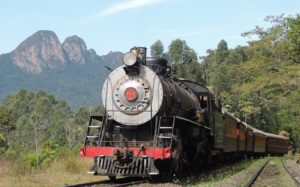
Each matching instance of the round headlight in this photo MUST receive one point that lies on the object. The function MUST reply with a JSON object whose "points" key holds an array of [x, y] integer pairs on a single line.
{"points": [[131, 94], [129, 59]]}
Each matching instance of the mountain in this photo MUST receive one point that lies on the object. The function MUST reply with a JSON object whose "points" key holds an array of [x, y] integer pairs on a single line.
{"points": [[69, 70], [40, 50], [76, 50]]}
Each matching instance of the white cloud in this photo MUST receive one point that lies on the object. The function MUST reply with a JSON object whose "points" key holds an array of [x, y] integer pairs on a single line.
{"points": [[122, 7]]}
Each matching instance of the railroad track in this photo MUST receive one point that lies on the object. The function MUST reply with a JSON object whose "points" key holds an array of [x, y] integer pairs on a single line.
{"points": [[253, 179], [296, 180], [117, 183]]}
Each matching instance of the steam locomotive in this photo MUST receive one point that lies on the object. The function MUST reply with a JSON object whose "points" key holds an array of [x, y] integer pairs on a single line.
{"points": [[156, 123]]}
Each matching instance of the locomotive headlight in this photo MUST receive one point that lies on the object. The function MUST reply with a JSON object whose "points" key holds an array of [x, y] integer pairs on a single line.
{"points": [[129, 59], [131, 94]]}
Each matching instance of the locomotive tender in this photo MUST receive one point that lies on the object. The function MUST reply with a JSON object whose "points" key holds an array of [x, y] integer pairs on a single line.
{"points": [[155, 123]]}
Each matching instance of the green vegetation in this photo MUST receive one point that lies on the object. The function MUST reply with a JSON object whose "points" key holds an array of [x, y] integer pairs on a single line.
{"points": [[157, 49], [39, 141], [66, 168], [260, 82], [221, 174], [36, 126], [240, 173], [184, 57]]}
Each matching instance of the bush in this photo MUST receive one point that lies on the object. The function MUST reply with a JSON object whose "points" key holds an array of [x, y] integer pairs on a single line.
{"points": [[45, 157], [3, 144], [32, 160]]}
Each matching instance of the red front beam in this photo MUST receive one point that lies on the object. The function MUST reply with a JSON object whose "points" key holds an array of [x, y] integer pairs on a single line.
{"points": [[155, 153]]}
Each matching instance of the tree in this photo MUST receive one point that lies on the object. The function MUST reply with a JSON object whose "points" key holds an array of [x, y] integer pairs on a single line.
{"points": [[236, 56], [185, 59], [222, 51], [221, 79], [62, 130], [257, 82], [180, 53], [157, 49], [289, 116], [272, 41], [81, 120], [3, 144], [7, 121], [36, 117], [195, 72], [293, 37]]}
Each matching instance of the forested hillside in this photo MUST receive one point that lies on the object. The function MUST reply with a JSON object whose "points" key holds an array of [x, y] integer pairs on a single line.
{"points": [[34, 125], [259, 82]]}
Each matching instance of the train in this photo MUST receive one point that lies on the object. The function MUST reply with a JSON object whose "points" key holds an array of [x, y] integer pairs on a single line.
{"points": [[156, 123]]}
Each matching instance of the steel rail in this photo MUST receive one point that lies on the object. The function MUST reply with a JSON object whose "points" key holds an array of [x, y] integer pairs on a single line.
{"points": [[116, 183], [253, 179], [297, 182]]}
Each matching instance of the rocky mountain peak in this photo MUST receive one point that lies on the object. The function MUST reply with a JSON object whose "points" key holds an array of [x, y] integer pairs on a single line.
{"points": [[76, 50], [113, 58], [42, 49], [93, 55]]}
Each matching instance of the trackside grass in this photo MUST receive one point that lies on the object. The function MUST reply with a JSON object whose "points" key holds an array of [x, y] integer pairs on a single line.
{"points": [[218, 176], [66, 169]]}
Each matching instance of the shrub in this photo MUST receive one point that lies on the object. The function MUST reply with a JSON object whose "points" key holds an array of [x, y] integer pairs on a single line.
{"points": [[44, 157], [3, 144], [32, 160]]}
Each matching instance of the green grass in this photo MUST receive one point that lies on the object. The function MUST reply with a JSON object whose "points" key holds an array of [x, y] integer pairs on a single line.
{"points": [[219, 175], [66, 169]]}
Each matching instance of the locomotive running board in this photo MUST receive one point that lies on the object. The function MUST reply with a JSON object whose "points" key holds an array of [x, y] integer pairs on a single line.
{"points": [[143, 167]]}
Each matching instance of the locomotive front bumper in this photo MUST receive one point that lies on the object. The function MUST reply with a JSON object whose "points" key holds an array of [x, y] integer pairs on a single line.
{"points": [[106, 165], [142, 164]]}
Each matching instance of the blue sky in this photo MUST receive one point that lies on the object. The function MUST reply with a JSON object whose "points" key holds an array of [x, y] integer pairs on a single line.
{"points": [[118, 25]]}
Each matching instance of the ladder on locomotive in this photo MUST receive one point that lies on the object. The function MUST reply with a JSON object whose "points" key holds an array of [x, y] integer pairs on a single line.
{"points": [[165, 130], [92, 136]]}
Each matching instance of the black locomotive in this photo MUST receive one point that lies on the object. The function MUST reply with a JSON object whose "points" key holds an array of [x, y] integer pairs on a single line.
{"points": [[155, 122]]}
